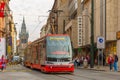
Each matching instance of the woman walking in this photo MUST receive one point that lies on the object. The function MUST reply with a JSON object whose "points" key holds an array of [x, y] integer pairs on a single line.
{"points": [[110, 62], [3, 64]]}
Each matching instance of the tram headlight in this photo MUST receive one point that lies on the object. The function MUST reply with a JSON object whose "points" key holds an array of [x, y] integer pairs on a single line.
{"points": [[51, 67], [69, 66]]}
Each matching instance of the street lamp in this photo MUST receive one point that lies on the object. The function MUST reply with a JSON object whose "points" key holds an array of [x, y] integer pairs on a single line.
{"points": [[92, 34]]}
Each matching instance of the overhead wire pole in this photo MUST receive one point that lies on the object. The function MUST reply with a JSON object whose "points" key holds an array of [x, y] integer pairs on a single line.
{"points": [[92, 36]]}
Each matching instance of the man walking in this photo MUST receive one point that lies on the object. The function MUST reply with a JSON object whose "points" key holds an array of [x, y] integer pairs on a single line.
{"points": [[115, 62]]}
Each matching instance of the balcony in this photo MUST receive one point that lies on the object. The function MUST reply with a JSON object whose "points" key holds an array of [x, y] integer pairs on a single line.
{"points": [[2, 30], [83, 1], [73, 7], [69, 24]]}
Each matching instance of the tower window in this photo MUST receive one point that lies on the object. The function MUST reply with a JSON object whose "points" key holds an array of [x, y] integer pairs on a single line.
{"points": [[24, 41]]}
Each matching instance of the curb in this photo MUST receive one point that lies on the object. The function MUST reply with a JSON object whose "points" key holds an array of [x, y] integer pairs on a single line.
{"points": [[93, 69]]}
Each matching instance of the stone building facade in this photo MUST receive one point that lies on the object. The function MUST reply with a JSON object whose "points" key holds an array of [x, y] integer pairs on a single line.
{"points": [[106, 23], [77, 23], [6, 25], [14, 38]]}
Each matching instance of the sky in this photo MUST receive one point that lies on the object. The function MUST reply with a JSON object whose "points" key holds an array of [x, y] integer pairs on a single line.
{"points": [[35, 13]]}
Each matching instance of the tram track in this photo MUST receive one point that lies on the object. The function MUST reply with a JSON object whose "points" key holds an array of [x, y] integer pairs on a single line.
{"points": [[78, 76], [84, 77]]}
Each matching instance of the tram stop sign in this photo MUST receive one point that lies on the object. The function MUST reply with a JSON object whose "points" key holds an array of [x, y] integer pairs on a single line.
{"points": [[100, 42]]}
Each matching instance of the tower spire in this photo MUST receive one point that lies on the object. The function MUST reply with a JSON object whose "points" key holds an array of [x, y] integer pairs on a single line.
{"points": [[23, 35], [23, 29], [23, 19]]}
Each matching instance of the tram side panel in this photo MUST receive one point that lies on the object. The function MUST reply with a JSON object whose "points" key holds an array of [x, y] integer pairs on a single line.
{"points": [[42, 55], [27, 56], [38, 53], [35, 57]]}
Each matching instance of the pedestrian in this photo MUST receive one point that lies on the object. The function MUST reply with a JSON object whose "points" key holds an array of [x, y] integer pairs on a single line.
{"points": [[110, 62], [104, 59], [75, 61], [3, 64], [115, 63], [81, 61], [88, 59], [85, 62]]}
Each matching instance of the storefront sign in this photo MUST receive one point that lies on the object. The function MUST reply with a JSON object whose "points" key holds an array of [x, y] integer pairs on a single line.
{"points": [[118, 35]]}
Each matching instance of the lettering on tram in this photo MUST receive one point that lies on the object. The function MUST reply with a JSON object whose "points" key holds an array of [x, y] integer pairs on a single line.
{"points": [[52, 38], [55, 56]]}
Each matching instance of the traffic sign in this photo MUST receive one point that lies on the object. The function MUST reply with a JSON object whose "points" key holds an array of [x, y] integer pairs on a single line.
{"points": [[100, 42]]}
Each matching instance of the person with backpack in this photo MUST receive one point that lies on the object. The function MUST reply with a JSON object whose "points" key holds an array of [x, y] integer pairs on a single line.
{"points": [[110, 61], [115, 63]]}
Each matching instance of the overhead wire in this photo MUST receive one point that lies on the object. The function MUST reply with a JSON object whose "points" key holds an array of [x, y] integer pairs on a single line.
{"points": [[31, 34], [94, 8], [36, 27]]}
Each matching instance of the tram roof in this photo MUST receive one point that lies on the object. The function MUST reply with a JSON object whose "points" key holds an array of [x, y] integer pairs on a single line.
{"points": [[42, 38]]}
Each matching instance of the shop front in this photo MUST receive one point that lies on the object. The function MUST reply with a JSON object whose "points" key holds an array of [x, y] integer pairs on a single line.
{"points": [[110, 49]]}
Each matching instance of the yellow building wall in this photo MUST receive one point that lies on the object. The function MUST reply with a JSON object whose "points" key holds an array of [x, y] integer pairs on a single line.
{"points": [[2, 27]]}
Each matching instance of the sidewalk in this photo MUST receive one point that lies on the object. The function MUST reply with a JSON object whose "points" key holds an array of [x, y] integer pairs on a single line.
{"points": [[16, 68], [98, 68]]}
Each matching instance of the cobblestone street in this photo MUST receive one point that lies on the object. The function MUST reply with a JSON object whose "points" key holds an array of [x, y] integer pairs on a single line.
{"points": [[18, 72]]}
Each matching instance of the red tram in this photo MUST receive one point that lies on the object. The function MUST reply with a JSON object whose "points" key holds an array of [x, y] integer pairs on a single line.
{"points": [[52, 53]]}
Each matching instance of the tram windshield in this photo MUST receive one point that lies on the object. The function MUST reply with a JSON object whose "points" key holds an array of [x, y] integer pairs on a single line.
{"points": [[59, 47]]}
